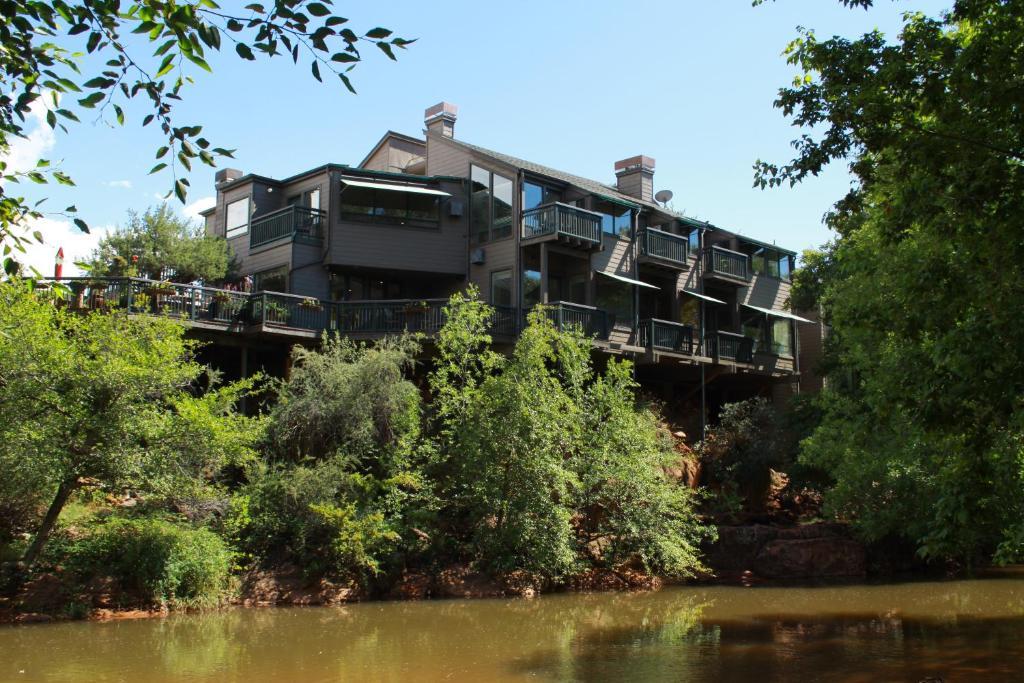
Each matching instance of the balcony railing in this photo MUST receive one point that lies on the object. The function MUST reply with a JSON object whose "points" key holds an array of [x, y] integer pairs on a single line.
{"points": [[503, 321], [666, 335], [177, 300], [565, 315], [729, 346], [563, 220], [291, 222], [732, 264], [389, 317], [664, 246]]}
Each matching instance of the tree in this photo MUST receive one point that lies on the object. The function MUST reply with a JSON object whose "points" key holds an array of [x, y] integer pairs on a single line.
{"points": [[160, 244], [923, 421], [544, 465], [46, 44], [107, 400]]}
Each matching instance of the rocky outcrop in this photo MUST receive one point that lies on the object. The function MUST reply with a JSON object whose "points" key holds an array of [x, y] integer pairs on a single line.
{"points": [[811, 551], [288, 586]]}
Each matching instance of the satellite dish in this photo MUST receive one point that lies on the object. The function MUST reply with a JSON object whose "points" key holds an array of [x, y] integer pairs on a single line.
{"points": [[664, 196]]}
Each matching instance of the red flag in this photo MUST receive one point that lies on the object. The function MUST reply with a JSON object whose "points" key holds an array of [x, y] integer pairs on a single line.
{"points": [[58, 268]]}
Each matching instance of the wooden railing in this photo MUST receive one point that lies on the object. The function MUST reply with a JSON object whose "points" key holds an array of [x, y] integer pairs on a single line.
{"points": [[565, 315], [562, 220], [503, 321], [389, 317], [664, 245], [730, 346], [177, 300], [666, 335], [291, 222], [720, 261]]}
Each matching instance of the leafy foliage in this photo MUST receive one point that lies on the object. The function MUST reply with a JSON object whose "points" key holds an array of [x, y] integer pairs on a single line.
{"points": [[161, 245], [922, 413], [103, 400], [163, 562], [45, 44], [544, 466]]}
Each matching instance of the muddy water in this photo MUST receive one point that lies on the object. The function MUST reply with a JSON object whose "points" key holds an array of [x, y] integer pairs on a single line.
{"points": [[953, 631]]}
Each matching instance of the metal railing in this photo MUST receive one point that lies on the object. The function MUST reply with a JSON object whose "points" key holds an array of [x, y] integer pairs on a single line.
{"points": [[563, 220], [663, 245], [173, 299], [729, 346], [291, 222], [388, 317], [721, 261], [666, 335], [503, 321]]}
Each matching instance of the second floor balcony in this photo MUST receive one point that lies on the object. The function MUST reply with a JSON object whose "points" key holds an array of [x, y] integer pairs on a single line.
{"points": [[728, 346], [663, 248], [563, 222], [665, 335], [294, 223], [725, 264]]}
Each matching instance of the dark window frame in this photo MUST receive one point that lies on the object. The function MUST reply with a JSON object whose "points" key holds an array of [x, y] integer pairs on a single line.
{"points": [[257, 275], [491, 235], [241, 230], [377, 215], [511, 286]]}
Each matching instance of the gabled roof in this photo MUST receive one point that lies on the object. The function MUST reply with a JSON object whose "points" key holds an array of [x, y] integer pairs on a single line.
{"points": [[592, 186], [392, 134]]}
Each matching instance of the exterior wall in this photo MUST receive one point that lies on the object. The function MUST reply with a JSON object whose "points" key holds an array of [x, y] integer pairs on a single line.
{"points": [[379, 245], [262, 201], [812, 350], [766, 292], [447, 158], [307, 274], [397, 156]]}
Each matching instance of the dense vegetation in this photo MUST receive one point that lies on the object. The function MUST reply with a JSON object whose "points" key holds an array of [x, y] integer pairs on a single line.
{"points": [[128, 460], [923, 426]]}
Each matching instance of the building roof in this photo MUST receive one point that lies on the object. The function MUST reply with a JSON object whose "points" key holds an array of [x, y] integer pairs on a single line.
{"points": [[592, 186], [385, 137]]}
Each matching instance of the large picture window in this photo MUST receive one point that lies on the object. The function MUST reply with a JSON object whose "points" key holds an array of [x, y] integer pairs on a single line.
{"points": [[772, 263], [490, 204], [237, 222], [531, 288], [771, 334], [616, 298], [273, 280], [390, 206], [615, 218]]}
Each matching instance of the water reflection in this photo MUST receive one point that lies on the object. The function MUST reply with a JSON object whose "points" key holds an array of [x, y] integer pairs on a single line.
{"points": [[968, 630]]}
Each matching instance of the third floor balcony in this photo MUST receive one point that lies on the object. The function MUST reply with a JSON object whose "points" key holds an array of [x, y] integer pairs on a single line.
{"points": [[564, 223], [726, 265], [292, 223], [661, 248]]}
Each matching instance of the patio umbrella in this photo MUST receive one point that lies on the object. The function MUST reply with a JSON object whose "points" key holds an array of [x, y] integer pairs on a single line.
{"points": [[58, 268]]}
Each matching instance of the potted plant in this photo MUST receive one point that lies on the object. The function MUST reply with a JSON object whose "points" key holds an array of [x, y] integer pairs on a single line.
{"points": [[311, 304], [276, 314]]}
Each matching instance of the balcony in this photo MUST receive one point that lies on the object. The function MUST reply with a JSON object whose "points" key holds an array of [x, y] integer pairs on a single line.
{"points": [[564, 315], [295, 223], [726, 264], [663, 248], [665, 335], [175, 300], [565, 223], [729, 346]]}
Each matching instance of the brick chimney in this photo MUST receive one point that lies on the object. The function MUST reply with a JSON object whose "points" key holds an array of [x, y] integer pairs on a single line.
{"points": [[440, 119], [635, 177]]}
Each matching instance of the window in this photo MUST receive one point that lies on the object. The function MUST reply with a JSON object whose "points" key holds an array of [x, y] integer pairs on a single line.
{"points": [[273, 280], [348, 287], [578, 289], [616, 298], [772, 263], [535, 195], [531, 288], [490, 204], [389, 206], [782, 337], [237, 218], [501, 288], [615, 218], [689, 312], [755, 327]]}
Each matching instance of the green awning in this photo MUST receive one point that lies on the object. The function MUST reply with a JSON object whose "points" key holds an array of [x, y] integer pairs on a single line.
{"points": [[620, 202]]}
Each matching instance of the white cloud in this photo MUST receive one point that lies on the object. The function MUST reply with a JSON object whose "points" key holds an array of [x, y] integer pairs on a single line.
{"points": [[124, 184], [59, 233], [27, 151], [192, 210]]}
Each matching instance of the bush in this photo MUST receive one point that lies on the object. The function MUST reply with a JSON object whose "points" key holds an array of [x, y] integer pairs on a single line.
{"points": [[324, 518], [163, 562]]}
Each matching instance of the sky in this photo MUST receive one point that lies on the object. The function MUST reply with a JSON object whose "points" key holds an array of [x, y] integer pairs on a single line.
{"points": [[575, 85]]}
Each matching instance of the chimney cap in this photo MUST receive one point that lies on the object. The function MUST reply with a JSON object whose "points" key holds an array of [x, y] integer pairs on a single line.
{"points": [[441, 109], [225, 175], [639, 162]]}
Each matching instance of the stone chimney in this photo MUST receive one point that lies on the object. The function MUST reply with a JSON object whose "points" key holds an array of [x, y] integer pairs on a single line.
{"points": [[440, 119], [635, 177], [226, 175]]}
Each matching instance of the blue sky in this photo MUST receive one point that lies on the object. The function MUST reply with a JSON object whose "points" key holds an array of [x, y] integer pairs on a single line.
{"points": [[575, 85]]}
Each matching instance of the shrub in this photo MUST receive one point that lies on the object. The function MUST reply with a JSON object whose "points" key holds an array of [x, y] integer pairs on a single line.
{"points": [[163, 562], [328, 520]]}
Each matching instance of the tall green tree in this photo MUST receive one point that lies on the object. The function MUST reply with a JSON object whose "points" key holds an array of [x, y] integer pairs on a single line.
{"points": [[160, 243], [72, 56], [106, 400], [923, 415]]}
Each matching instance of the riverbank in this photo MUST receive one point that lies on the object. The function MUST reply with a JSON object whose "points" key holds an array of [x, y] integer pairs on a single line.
{"points": [[743, 555]]}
